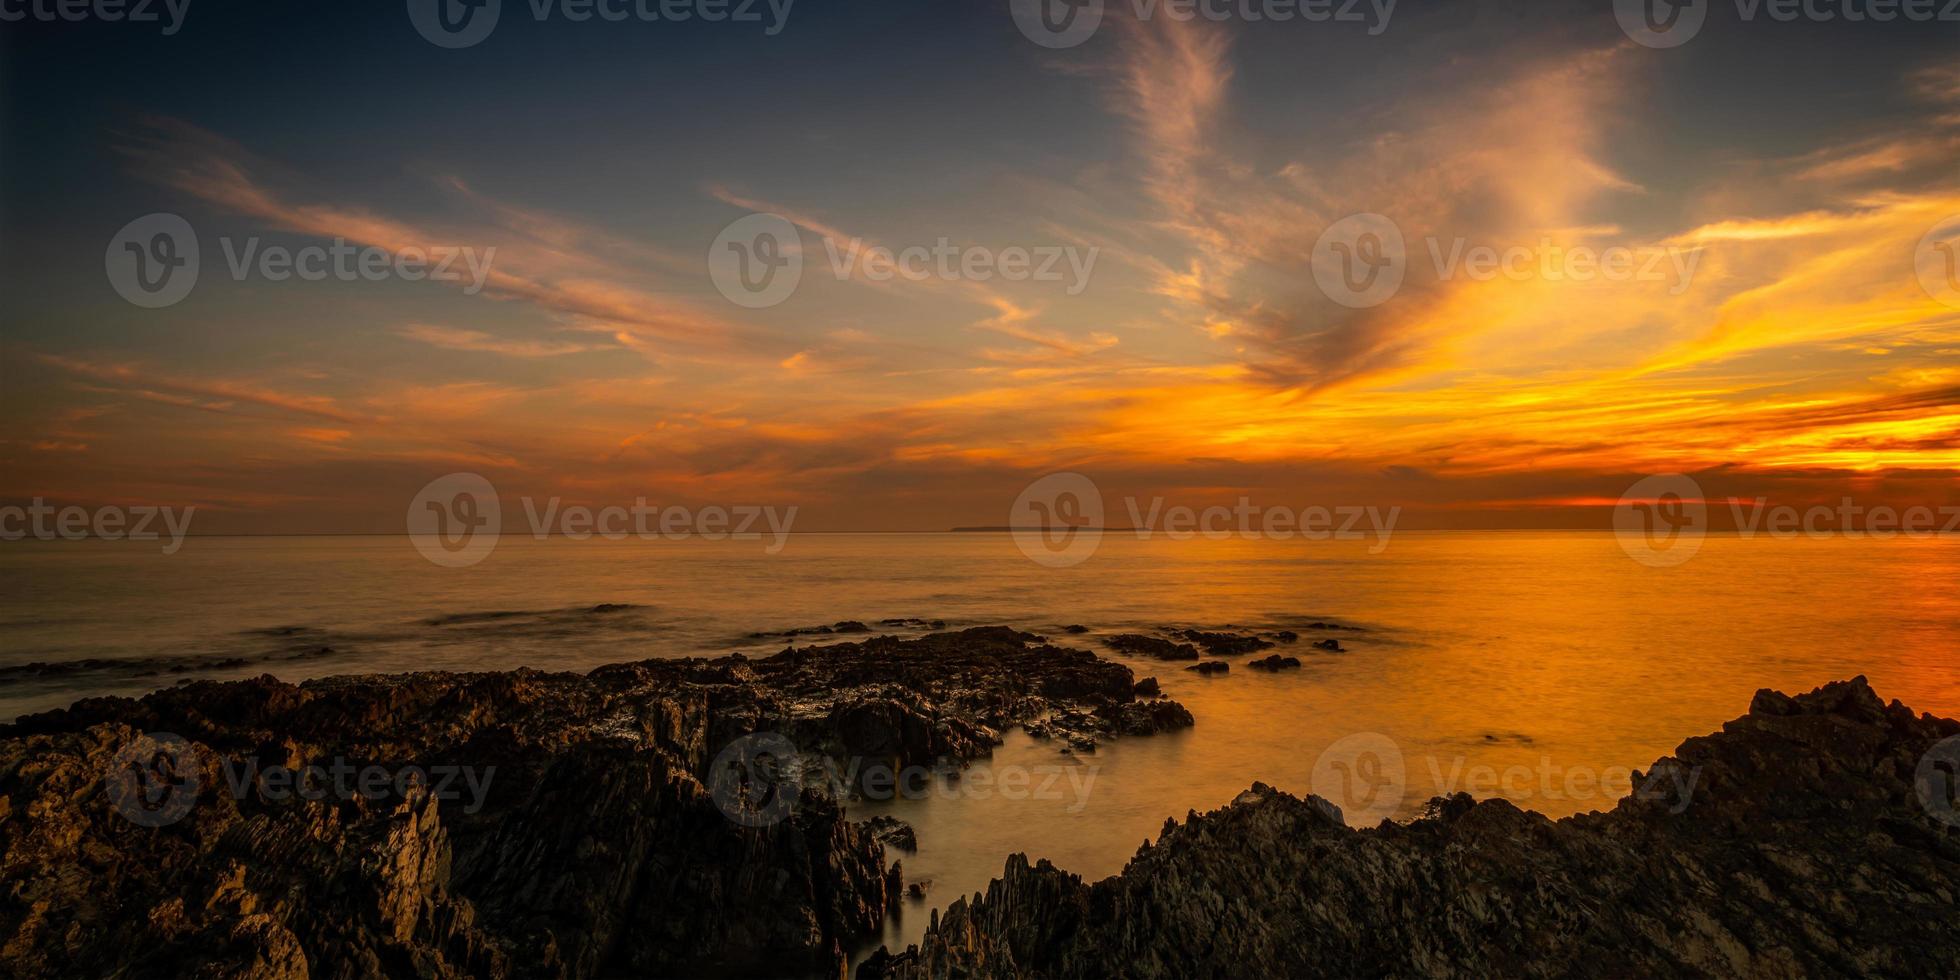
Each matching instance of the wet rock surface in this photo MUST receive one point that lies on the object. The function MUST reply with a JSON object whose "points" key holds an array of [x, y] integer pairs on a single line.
{"points": [[1139, 645], [1183, 643], [1274, 662], [893, 833], [1224, 644], [606, 839], [1803, 849]]}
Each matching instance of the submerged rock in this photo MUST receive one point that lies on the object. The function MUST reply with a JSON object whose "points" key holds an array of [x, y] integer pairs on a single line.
{"points": [[1795, 842], [1139, 645], [1274, 662], [1224, 644], [1211, 667]]}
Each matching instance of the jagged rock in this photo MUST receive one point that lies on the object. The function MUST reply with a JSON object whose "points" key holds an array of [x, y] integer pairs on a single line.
{"points": [[1147, 688], [1150, 717], [599, 846], [918, 890], [894, 833], [1800, 846], [1274, 662]]}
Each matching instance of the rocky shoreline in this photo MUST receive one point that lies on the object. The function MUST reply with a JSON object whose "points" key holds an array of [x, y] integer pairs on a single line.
{"points": [[683, 818], [1819, 839], [633, 820]]}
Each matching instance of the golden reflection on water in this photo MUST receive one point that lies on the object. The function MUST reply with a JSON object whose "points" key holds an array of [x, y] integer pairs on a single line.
{"points": [[1533, 666]]}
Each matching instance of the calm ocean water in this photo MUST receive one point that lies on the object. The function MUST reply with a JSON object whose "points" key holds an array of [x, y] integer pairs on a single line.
{"points": [[1533, 666]]}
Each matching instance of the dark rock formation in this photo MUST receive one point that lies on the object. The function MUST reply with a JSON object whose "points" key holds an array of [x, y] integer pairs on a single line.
{"points": [[1330, 644], [1286, 636], [910, 623], [1274, 662], [1139, 645], [1210, 667], [1076, 628], [1802, 848], [893, 833], [846, 626], [619, 827], [1147, 688], [1223, 644], [1139, 716]]}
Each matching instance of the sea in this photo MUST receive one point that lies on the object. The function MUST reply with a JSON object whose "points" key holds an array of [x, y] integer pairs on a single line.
{"points": [[1543, 667]]}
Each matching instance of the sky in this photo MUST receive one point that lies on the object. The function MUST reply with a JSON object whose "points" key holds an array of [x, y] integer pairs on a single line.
{"points": [[1784, 194]]}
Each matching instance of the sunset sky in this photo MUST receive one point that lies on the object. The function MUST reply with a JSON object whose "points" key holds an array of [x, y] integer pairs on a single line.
{"points": [[1798, 169]]}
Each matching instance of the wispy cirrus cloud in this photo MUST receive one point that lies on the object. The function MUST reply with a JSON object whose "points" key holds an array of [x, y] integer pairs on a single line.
{"points": [[211, 395], [583, 278], [457, 338]]}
